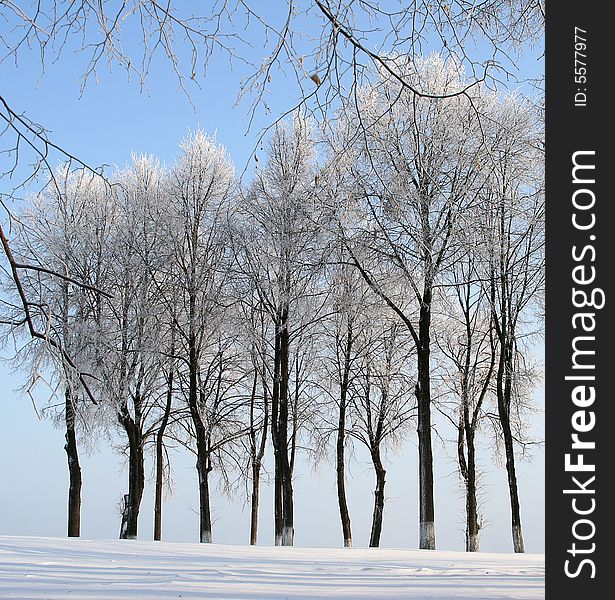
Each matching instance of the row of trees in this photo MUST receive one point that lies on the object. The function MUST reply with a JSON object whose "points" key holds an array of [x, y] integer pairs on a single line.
{"points": [[334, 299]]}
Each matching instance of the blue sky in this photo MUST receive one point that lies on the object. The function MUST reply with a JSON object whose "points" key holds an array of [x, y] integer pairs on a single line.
{"points": [[112, 118]]}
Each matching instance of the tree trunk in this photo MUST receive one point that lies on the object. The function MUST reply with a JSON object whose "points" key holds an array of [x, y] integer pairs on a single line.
{"points": [[341, 483], [159, 486], [203, 466], [275, 439], [160, 455], [472, 524], [74, 469], [136, 477], [505, 329], [504, 394], [341, 443], [277, 499], [203, 469], [467, 468], [374, 540], [517, 534], [427, 532], [283, 490], [257, 457], [70, 437], [256, 475], [285, 468]]}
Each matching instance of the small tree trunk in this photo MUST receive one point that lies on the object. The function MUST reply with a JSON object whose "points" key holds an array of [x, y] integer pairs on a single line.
{"points": [[472, 524], [159, 488], [258, 451], [285, 468], [341, 443], [256, 474], [517, 534], [427, 531], [341, 483], [136, 477], [132, 500], [202, 458], [505, 328], [74, 469], [504, 393], [277, 500], [374, 540], [70, 437], [283, 491], [467, 469], [288, 530], [160, 461], [124, 522], [277, 446], [203, 470]]}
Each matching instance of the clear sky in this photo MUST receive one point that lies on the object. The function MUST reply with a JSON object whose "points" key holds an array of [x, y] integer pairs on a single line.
{"points": [[112, 118]]}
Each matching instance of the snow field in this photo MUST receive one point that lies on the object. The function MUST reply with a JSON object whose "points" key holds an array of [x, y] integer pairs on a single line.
{"points": [[62, 569]]}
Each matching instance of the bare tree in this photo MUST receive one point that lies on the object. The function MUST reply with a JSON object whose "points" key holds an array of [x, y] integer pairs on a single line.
{"points": [[201, 187], [346, 326], [414, 173], [252, 326], [343, 345], [514, 209], [58, 229], [127, 340], [161, 430], [280, 255], [257, 432], [381, 402], [466, 338]]}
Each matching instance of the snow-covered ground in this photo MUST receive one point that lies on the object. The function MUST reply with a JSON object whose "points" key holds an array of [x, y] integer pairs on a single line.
{"points": [[61, 569]]}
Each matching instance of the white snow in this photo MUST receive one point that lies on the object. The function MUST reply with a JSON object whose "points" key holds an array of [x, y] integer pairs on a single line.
{"points": [[62, 569]]}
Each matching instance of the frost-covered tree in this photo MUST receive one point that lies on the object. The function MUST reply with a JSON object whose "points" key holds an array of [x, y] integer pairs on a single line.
{"points": [[256, 336], [350, 308], [413, 170], [128, 337], [513, 213], [201, 188], [278, 240], [64, 230], [466, 339], [162, 426], [381, 401]]}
